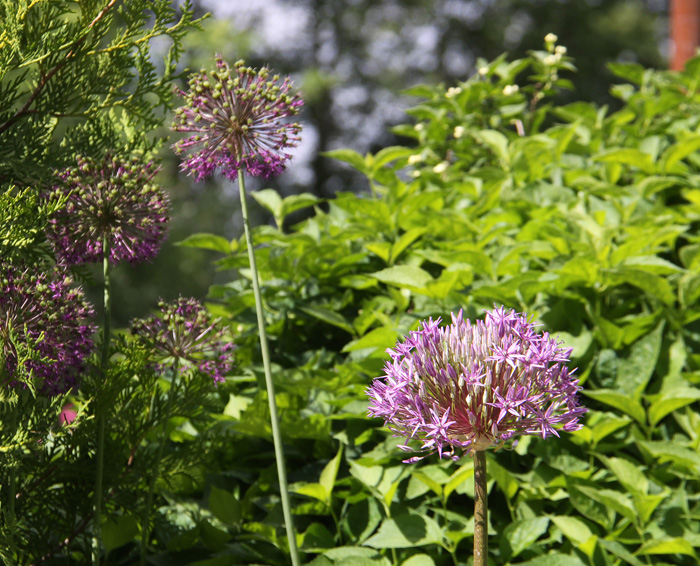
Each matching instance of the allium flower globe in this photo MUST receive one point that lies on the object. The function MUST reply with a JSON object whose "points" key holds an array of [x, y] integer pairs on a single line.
{"points": [[114, 198], [46, 314], [236, 119], [467, 387], [186, 336]]}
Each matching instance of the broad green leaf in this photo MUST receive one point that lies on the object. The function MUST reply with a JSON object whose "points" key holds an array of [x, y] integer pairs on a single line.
{"points": [[588, 507], [628, 156], [463, 474], [317, 537], [406, 531], [328, 316], [611, 499], [496, 141], [619, 400], [573, 528], [679, 151], [350, 157], [628, 474], [672, 452], [315, 490], [204, 241], [362, 519], [653, 285], [270, 200], [118, 530], [636, 370], [404, 241], [419, 560], [522, 533], [404, 276], [620, 551], [667, 546], [671, 401], [330, 472], [344, 552], [379, 338], [505, 480], [553, 559], [224, 506], [389, 154], [292, 203]]}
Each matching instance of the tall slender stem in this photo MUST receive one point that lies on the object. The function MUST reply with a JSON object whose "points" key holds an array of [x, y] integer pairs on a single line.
{"points": [[481, 510], [146, 521], [99, 413], [276, 435]]}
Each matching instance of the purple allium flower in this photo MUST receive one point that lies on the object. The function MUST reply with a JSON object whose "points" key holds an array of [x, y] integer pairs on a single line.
{"points": [[468, 387], [185, 335], [235, 118], [48, 318], [114, 198]]}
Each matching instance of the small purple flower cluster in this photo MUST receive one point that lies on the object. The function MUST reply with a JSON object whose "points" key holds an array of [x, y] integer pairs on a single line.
{"points": [[467, 387], [236, 120], [47, 314], [185, 335], [114, 198]]}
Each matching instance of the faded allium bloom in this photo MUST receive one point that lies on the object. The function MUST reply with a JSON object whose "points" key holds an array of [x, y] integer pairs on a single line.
{"points": [[236, 120], [44, 326], [114, 198], [467, 387], [186, 336]]}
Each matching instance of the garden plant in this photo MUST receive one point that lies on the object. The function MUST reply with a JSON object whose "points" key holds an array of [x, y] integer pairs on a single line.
{"points": [[244, 430]]}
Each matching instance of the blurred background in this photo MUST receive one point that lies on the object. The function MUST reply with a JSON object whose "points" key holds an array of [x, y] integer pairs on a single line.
{"points": [[351, 59]]}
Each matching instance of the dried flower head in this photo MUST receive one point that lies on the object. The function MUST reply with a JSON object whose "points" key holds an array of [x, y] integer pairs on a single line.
{"points": [[114, 198], [45, 335], [466, 387], [236, 121], [186, 336]]}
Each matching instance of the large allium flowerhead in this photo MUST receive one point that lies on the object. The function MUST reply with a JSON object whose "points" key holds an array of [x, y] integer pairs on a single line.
{"points": [[236, 119], [467, 387], [115, 198], [43, 314], [186, 336]]}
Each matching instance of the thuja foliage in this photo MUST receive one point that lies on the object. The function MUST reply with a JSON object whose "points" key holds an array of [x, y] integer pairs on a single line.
{"points": [[585, 217], [81, 95]]}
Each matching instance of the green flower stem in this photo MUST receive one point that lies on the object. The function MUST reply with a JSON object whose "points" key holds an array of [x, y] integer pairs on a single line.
{"points": [[99, 413], [481, 510], [146, 520], [276, 435]]}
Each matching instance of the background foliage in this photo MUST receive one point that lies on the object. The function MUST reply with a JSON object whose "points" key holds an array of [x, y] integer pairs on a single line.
{"points": [[581, 214]]}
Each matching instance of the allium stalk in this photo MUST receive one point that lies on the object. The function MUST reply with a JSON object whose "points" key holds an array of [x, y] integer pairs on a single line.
{"points": [[464, 388], [237, 121], [113, 199], [43, 314], [183, 338]]}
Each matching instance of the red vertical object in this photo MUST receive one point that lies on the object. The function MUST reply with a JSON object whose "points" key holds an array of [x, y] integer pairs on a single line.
{"points": [[685, 31]]}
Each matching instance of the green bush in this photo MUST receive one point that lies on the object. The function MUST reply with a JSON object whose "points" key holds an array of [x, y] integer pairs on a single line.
{"points": [[585, 218]]}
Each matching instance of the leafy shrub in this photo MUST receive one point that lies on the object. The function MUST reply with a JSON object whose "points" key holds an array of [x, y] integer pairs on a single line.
{"points": [[584, 217]]}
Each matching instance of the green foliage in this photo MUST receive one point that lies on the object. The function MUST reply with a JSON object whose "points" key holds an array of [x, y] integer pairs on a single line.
{"points": [[586, 219]]}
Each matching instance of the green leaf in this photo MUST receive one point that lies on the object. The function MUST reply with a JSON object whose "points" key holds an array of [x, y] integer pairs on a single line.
{"points": [[314, 490], [119, 530], [619, 400], [328, 316], [406, 531], [628, 156], [553, 559], [667, 546], [670, 402], [350, 157], [520, 534], [628, 474], [379, 338], [612, 500], [620, 551], [573, 528], [653, 285], [330, 473], [270, 200], [389, 154], [463, 474], [317, 537], [635, 371], [419, 560], [672, 452], [205, 241], [679, 151], [292, 203], [496, 141], [404, 241], [224, 506], [404, 276], [362, 519]]}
